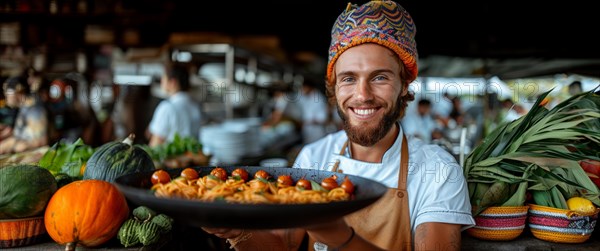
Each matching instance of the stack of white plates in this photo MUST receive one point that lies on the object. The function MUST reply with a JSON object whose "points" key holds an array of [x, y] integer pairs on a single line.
{"points": [[231, 140]]}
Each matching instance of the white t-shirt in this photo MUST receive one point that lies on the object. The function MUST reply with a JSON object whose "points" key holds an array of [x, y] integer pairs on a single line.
{"points": [[437, 190], [419, 126], [289, 107], [442, 107], [314, 115], [180, 113]]}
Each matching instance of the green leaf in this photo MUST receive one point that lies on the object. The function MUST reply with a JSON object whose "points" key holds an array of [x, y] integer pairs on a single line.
{"points": [[317, 187], [66, 158]]}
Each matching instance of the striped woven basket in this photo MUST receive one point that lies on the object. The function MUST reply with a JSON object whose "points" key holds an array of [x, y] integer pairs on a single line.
{"points": [[561, 225], [499, 223], [21, 232]]}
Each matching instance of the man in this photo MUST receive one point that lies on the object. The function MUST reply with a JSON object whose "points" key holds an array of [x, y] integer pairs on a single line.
{"points": [[31, 124], [575, 88], [177, 114], [314, 112], [372, 60], [420, 124]]}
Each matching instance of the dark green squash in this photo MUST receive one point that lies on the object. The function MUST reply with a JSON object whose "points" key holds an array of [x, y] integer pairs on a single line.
{"points": [[24, 191], [114, 159]]}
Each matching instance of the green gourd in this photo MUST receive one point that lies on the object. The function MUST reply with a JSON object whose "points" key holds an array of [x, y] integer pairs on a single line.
{"points": [[143, 213], [114, 159], [164, 222], [144, 227], [24, 191], [148, 233], [127, 233]]}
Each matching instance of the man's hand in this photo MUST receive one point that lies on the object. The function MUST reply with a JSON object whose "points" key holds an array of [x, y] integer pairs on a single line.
{"points": [[278, 239], [337, 233]]}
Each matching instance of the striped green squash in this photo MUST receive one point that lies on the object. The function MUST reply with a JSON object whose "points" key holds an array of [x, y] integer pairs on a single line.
{"points": [[114, 159]]}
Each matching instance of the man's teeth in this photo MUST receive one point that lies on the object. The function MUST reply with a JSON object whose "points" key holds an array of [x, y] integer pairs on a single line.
{"points": [[364, 111]]}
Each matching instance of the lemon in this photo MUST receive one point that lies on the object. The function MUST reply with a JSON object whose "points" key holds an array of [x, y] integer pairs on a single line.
{"points": [[581, 205]]}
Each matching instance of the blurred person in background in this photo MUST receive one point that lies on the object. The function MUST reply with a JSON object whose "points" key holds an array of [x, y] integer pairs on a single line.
{"points": [[180, 113], [285, 108], [130, 113], [9, 108], [31, 124], [284, 116], [575, 88], [510, 111], [441, 109], [314, 112], [72, 118], [420, 124], [455, 117]]}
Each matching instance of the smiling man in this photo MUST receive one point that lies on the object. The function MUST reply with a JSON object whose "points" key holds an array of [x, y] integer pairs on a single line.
{"points": [[372, 61]]}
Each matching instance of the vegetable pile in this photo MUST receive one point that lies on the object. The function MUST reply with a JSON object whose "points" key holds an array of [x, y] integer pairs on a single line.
{"points": [[145, 227], [538, 155], [181, 152], [69, 159]]}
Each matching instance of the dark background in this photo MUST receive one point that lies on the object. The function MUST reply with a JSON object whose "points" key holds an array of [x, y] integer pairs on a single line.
{"points": [[501, 29], [552, 37]]}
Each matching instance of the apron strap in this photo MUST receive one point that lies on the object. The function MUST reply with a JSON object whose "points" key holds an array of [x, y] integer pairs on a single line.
{"points": [[342, 152], [402, 178]]}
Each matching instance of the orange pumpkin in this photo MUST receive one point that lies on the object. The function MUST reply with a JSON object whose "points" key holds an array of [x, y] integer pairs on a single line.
{"points": [[86, 212]]}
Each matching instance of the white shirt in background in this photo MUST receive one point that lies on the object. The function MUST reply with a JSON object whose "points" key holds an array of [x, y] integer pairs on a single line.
{"points": [[314, 115], [177, 114], [289, 107], [441, 107], [419, 126]]}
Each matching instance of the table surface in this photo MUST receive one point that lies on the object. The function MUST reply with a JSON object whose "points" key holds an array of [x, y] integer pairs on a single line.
{"points": [[524, 242]]}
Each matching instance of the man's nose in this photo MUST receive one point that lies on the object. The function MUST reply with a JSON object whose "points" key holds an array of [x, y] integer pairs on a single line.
{"points": [[363, 90]]}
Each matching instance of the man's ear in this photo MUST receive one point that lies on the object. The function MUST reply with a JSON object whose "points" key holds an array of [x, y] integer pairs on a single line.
{"points": [[404, 91]]}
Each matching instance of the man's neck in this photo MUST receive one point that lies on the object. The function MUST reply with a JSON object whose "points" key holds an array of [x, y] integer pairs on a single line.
{"points": [[375, 153]]}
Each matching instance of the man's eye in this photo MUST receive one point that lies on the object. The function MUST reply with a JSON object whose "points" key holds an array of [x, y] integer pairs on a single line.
{"points": [[380, 77], [347, 80]]}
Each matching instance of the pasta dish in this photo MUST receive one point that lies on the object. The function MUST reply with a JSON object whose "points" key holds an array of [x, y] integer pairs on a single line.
{"points": [[237, 188]]}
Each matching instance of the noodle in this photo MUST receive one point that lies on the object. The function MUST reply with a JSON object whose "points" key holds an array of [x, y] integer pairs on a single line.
{"points": [[237, 191]]}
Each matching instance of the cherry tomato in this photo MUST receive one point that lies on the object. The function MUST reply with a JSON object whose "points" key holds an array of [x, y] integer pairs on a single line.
{"points": [[285, 180], [189, 174], [241, 173], [160, 176], [305, 184], [329, 183], [348, 186], [219, 173], [262, 174]]}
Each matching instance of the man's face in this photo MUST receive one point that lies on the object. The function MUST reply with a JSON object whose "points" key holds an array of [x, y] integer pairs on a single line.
{"points": [[368, 87]]}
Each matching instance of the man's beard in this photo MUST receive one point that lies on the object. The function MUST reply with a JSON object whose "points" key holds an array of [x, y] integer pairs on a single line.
{"points": [[365, 134]]}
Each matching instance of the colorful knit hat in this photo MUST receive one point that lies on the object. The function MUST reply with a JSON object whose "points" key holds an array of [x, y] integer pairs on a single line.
{"points": [[382, 22]]}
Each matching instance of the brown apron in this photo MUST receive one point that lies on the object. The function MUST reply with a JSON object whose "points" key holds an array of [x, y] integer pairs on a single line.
{"points": [[386, 223]]}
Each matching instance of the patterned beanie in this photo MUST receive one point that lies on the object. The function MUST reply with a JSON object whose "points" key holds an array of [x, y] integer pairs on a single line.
{"points": [[383, 22]]}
